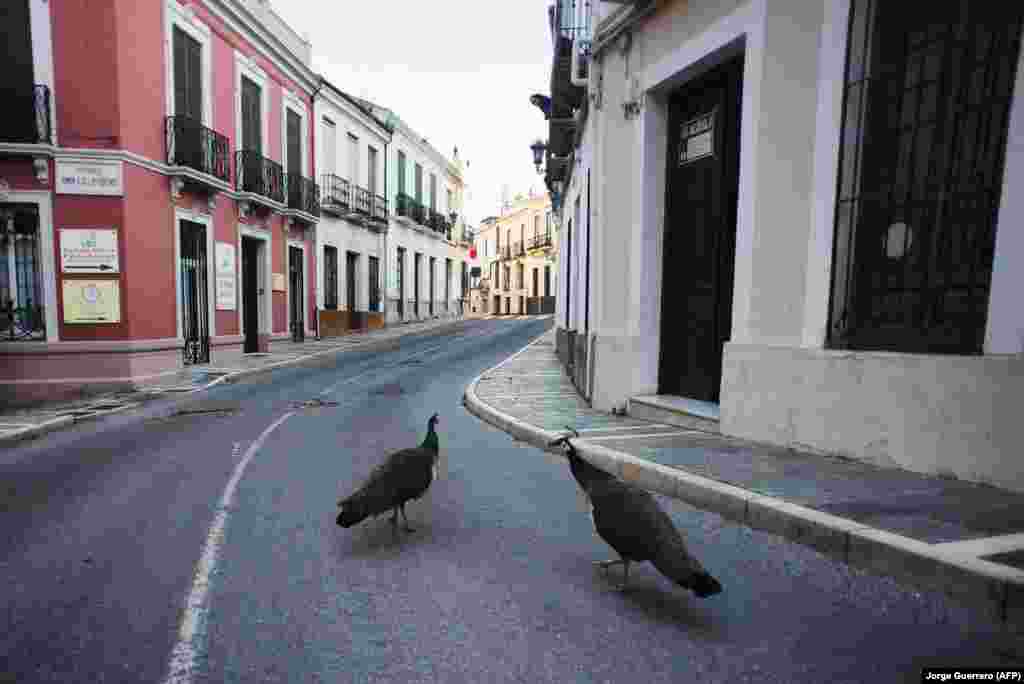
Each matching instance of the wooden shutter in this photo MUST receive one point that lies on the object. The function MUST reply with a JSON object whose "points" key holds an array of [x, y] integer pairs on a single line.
{"points": [[401, 173], [188, 61], [294, 143], [251, 116], [371, 170], [16, 85]]}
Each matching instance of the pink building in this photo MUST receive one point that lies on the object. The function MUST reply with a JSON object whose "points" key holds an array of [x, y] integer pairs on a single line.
{"points": [[156, 197]]}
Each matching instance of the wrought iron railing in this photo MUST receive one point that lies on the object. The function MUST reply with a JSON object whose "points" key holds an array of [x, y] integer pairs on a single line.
{"points": [[335, 193], [22, 323], [362, 200], [379, 212], [256, 174], [191, 144], [437, 221], [540, 240], [303, 194], [410, 208]]}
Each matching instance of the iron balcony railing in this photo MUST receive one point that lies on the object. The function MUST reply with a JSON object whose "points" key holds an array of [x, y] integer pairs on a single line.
{"points": [[27, 117], [519, 249], [410, 208], [335, 193], [369, 204], [303, 194], [191, 144], [380, 208], [541, 240], [438, 222], [256, 174]]}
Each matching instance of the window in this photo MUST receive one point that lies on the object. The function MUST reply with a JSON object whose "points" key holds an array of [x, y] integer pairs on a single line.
{"points": [[330, 277], [351, 270], [293, 144], [401, 172], [353, 159], [374, 289], [400, 276], [419, 184], [433, 192], [430, 281], [330, 150], [21, 278], [371, 170], [536, 226], [519, 278], [924, 130], [451, 203], [252, 115], [547, 281], [447, 282], [188, 79]]}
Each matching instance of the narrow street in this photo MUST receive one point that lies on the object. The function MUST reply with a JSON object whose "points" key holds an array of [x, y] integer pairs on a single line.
{"points": [[104, 527]]}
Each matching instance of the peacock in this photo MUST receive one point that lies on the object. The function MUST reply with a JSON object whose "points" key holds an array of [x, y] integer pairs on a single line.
{"points": [[632, 522], [404, 475]]}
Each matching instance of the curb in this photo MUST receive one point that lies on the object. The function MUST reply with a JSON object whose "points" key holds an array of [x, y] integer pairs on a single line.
{"points": [[996, 589], [65, 421]]}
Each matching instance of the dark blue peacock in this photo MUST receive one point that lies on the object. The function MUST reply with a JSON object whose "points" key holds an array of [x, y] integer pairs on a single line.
{"points": [[403, 476]]}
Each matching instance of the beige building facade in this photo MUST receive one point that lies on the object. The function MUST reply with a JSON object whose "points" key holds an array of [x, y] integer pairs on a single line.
{"points": [[517, 252]]}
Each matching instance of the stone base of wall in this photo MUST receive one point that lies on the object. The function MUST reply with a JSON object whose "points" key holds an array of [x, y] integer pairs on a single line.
{"points": [[946, 415]]}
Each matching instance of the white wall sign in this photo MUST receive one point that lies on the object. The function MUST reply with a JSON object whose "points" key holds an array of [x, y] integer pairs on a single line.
{"points": [[698, 138], [88, 250], [90, 177], [226, 277]]}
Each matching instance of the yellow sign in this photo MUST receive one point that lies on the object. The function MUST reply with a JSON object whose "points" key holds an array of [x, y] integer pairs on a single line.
{"points": [[92, 301]]}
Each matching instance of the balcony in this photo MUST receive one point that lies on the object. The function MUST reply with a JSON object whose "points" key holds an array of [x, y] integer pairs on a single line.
{"points": [[409, 208], [256, 174], [194, 146], [438, 222], [540, 241], [335, 195], [27, 117], [303, 194]]}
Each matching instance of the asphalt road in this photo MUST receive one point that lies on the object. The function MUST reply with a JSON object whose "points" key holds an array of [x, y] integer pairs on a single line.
{"points": [[105, 534]]}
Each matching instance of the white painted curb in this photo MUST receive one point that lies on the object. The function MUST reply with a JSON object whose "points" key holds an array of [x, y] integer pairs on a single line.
{"points": [[996, 589]]}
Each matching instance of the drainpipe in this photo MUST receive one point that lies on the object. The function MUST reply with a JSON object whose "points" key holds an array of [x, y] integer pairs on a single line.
{"points": [[387, 229]]}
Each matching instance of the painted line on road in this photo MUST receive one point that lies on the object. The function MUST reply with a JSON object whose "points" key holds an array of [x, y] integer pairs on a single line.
{"points": [[191, 645], [649, 426], [656, 434], [985, 546]]}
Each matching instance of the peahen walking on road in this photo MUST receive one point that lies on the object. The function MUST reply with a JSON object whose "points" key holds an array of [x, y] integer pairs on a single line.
{"points": [[632, 522], [404, 475]]}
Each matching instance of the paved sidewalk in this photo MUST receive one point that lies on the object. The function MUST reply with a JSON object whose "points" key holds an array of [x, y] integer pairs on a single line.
{"points": [[962, 538], [24, 423]]}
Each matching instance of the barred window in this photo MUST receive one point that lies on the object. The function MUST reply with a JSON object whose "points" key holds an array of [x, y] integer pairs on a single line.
{"points": [[925, 116]]}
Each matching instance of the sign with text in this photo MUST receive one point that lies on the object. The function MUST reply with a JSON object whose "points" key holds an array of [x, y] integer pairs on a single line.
{"points": [[226, 276], [92, 301], [88, 250], [277, 282], [697, 138], [90, 177]]}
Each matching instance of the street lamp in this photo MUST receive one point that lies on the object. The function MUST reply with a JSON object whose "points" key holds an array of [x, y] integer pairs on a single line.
{"points": [[538, 148]]}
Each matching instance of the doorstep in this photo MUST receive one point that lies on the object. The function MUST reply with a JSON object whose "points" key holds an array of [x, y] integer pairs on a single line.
{"points": [[675, 410]]}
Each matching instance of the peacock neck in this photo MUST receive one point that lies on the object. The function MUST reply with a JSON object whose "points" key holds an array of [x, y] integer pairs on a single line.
{"points": [[430, 441]]}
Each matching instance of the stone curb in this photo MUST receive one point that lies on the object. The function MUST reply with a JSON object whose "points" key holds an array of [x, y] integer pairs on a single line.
{"points": [[996, 589], [65, 421]]}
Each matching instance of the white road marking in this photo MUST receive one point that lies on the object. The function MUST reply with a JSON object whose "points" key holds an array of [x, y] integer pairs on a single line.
{"points": [[191, 645], [656, 434], [986, 546], [649, 426]]}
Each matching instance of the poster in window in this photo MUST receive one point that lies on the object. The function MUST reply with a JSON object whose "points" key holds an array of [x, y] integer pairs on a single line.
{"points": [[92, 301]]}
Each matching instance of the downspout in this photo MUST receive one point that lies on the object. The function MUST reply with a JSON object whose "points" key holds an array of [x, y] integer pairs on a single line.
{"points": [[387, 229], [316, 230]]}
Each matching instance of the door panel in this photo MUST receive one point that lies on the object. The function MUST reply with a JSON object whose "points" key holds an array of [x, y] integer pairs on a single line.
{"points": [[17, 84], [700, 232], [250, 294]]}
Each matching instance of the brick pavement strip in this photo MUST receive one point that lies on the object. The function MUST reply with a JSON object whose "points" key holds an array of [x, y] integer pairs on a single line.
{"points": [[994, 588], [21, 424]]}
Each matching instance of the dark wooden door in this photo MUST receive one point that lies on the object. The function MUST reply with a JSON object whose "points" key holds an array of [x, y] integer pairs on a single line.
{"points": [[400, 274], [250, 294], [350, 280], [195, 320], [295, 294], [17, 90], [700, 232]]}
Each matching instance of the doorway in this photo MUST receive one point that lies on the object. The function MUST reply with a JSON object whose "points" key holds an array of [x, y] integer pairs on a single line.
{"points": [[295, 294], [252, 294], [195, 307], [702, 186], [351, 262]]}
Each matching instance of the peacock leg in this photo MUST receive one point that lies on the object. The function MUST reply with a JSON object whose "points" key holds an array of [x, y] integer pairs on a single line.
{"points": [[408, 527]]}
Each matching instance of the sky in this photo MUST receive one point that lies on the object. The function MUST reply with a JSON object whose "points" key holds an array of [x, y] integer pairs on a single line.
{"points": [[459, 72]]}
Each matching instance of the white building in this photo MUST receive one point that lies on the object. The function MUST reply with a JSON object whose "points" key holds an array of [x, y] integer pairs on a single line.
{"points": [[425, 244], [350, 240], [791, 220]]}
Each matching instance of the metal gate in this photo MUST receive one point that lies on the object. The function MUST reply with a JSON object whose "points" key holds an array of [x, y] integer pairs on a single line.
{"points": [[295, 290], [195, 310]]}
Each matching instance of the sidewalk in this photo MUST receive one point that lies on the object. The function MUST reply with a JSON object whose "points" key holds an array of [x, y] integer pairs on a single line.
{"points": [[24, 423], [961, 538]]}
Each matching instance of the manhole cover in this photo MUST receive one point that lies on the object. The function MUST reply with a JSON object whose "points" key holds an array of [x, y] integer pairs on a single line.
{"points": [[313, 403]]}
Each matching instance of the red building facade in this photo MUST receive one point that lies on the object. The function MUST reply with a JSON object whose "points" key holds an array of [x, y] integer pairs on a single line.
{"points": [[157, 206]]}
